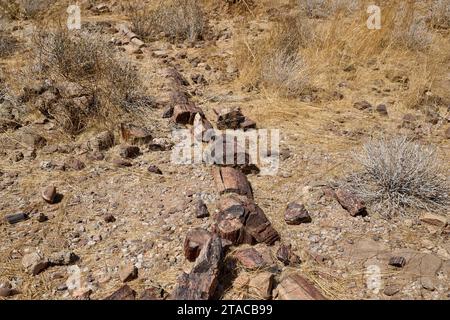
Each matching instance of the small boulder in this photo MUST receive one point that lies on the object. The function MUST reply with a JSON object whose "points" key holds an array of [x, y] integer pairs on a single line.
{"points": [[261, 285], [34, 263], [296, 214], [129, 152], [201, 210], [128, 272], [49, 194]]}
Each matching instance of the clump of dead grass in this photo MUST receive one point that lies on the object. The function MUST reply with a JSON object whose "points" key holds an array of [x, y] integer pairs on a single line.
{"points": [[397, 175], [275, 61], [8, 45], [440, 14], [25, 9], [177, 20], [84, 60]]}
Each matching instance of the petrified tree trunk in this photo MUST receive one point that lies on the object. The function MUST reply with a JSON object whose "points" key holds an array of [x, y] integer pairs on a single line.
{"points": [[350, 202], [201, 282], [296, 287], [230, 180], [194, 243], [185, 113]]}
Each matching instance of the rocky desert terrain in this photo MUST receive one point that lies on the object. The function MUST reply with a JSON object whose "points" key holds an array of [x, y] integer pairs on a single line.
{"points": [[92, 205]]}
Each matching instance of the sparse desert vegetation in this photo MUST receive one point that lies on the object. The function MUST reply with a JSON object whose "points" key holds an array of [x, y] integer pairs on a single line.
{"points": [[94, 205]]}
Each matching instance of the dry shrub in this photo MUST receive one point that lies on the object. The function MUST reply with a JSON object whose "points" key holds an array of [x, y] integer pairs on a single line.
{"points": [[416, 36], [87, 61], [324, 8], [399, 174], [275, 60], [440, 14], [27, 9], [176, 19], [8, 45]]}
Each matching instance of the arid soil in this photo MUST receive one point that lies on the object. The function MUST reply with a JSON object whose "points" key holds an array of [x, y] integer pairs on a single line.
{"points": [[112, 215]]}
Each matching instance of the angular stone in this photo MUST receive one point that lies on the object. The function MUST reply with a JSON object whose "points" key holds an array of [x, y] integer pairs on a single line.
{"points": [[124, 293], [230, 119], [185, 113], [16, 218], [391, 290], [296, 287], [194, 243], [129, 152], [230, 180], [350, 202], [296, 214], [34, 263], [382, 109], [133, 134], [202, 281], [49, 194], [154, 169], [397, 261], [250, 258], [128, 272], [201, 210], [287, 256], [63, 258], [260, 228]]}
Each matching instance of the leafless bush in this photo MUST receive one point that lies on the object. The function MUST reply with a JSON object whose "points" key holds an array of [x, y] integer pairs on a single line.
{"points": [[325, 8], [8, 45], [415, 37], [440, 14], [89, 62], [281, 66], [176, 19], [399, 174], [27, 9]]}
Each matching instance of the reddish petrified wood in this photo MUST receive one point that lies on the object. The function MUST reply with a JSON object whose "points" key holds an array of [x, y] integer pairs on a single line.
{"points": [[296, 287], [201, 282], [230, 180], [194, 242], [124, 293], [185, 113], [350, 202]]}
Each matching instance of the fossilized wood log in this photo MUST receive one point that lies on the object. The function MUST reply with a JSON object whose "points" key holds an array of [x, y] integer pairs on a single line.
{"points": [[201, 282], [230, 180], [185, 113], [350, 202], [194, 243]]}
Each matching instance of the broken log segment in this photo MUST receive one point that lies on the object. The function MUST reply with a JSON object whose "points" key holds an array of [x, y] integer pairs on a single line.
{"points": [[351, 202], [296, 287], [201, 282], [230, 180], [185, 113], [194, 242]]}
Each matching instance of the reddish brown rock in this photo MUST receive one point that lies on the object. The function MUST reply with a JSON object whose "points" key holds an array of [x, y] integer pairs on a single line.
{"points": [[201, 282], [350, 202], [230, 119], [194, 243], [185, 113], [230, 180], [154, 169], [201, 210], [296, 287], [250, 259], [133, 134], [287, 256], [260, 228], [124, 293], [49, 194], [128, 272], [296, 214]]}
